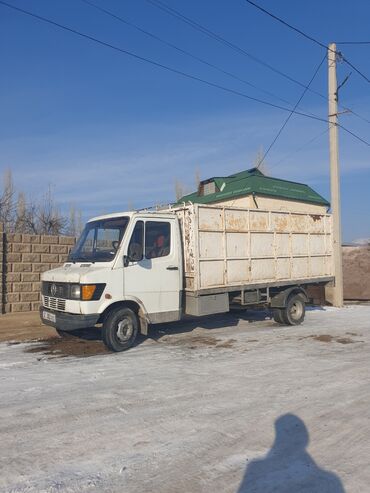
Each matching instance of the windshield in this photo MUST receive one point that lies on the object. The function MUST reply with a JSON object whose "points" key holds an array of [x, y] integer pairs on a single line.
{"points": [[99, 240]]}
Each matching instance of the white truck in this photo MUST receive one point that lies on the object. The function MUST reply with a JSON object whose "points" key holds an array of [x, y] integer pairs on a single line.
{"points": [[132, 269]]}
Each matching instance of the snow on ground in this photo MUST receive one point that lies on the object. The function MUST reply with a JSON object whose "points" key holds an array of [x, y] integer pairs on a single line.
{"points": [[229, 404]]}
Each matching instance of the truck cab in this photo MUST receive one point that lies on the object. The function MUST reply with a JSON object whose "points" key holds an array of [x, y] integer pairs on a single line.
{"points": [[124, 272]]}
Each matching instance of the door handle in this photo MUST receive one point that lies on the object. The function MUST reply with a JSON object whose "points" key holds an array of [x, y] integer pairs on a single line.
{"points": [[172, 267]]}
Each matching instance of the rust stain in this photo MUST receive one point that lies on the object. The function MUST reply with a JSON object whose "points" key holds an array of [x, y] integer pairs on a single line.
{"points": [[236, 221], [281, 224], [259, 222]]}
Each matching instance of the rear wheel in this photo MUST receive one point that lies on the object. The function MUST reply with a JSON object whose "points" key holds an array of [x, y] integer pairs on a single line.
{"points": [[294, 312], [120, 329], [277, 313]]}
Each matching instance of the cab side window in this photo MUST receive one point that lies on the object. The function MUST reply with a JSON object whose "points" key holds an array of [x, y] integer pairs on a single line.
{"points": [[135, 247], [157, 239]]}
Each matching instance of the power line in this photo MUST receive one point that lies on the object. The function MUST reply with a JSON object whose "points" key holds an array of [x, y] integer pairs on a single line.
{"points": [[185, 52], [307, 36], [157, 64], [353, 134], [286, 24], [199, 27], [300, 148], [173, 70], [353, 42], [291, 113]]}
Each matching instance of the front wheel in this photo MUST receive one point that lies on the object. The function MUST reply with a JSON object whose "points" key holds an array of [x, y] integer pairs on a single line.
{"points": [[120, 329]]}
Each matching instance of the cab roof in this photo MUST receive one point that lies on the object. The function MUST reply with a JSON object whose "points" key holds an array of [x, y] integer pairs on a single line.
{"points": [[143, 213]]}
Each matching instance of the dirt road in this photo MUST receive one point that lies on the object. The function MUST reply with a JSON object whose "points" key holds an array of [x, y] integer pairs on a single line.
{"points": [[231, 404]]}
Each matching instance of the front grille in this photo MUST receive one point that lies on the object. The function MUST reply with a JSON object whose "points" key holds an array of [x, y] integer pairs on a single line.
{"points": [[56, 289], [54, 303]]}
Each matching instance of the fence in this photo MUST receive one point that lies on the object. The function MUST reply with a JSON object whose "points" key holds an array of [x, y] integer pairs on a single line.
{"points": [[22, 260]]}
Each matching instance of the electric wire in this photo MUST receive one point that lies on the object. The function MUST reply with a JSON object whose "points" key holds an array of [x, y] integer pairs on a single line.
{"points": [[303, 146], [291, 113], [201, 28], [353, 42], [181, 50], [155, 63], [307, 36], [171, 69]]}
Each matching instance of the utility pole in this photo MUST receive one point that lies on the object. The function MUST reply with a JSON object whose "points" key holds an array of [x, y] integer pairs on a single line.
{"points": [[337, 290]]}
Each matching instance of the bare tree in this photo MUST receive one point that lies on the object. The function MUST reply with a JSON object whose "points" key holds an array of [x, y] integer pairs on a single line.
{"points": [[72, 226], [7, 208], [75, 226], [31, 216], [49, 219], [80, 224], [197, 178], [20, 223], [179, 189], [40, 217]]}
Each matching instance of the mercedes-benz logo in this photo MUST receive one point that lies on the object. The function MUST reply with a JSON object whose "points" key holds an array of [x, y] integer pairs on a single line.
{"points": [[53, 289]]}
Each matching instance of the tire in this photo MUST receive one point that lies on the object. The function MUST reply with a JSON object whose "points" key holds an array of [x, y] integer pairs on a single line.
{"points": [[277, 313], [120, 329], [294, 312]]}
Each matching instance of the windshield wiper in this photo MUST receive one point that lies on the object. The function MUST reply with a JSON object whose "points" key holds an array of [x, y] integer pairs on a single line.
{"points": [[79, 258]]}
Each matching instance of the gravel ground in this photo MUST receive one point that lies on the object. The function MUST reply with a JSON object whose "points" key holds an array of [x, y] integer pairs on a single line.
{"points": [[229, 404]]}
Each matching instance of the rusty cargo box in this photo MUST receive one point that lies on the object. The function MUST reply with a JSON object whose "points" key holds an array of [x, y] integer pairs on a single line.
{"points": [[229, 246]]}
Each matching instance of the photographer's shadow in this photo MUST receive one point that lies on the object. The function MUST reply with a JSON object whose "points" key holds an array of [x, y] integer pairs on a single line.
{"points": [[288, 467]]}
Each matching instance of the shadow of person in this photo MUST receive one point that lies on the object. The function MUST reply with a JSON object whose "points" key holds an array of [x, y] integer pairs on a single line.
{"points": [[288, 467]]}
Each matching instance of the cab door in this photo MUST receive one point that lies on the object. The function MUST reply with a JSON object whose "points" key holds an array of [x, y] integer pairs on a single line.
{"points": [[153, 267]]}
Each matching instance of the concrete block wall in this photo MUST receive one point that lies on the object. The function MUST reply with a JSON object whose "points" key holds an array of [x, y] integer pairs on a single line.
{"points": [[24, 258], [2, 268]]}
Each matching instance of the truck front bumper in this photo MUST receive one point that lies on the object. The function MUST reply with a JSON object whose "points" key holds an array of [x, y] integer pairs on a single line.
{"points": [[67, 321]]}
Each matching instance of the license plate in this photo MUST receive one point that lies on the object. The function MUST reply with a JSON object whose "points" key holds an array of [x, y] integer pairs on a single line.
{"points": [[49, 316]]}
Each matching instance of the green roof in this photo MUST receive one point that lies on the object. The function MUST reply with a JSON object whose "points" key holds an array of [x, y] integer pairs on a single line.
{"points": [[252, 181]]}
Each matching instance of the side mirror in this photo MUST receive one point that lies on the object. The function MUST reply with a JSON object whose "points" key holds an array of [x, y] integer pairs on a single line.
{"points": [[134, 254]]}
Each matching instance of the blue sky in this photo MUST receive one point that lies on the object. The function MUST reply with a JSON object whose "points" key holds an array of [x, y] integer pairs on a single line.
{"points": [[108, 131]]}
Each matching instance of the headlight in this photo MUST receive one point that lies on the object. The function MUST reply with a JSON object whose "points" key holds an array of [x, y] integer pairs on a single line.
{"points": [[86, 292], [75, 292]]}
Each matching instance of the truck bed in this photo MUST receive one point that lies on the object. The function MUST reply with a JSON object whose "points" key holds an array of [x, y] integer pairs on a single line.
{"points": [[228, 248]]}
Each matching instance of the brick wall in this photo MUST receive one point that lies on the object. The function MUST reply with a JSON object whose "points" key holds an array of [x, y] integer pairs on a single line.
{"points": [[2, 267], [24, 258]]}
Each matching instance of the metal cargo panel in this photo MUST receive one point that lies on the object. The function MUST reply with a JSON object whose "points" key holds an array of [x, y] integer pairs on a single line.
{"points": [[237, 245], [237, 271], [226, 246], [211, 273], [210, 245]]}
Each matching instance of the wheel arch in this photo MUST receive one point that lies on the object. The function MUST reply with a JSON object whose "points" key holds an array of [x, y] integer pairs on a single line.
{"points": [[136, 306], [280, 299]]}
